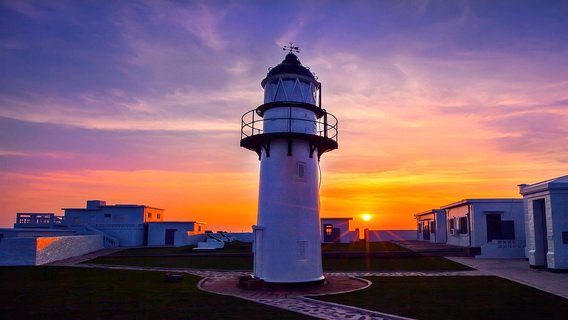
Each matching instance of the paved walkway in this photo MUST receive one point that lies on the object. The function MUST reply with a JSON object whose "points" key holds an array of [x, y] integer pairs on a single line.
{"points": [[518, 270]]}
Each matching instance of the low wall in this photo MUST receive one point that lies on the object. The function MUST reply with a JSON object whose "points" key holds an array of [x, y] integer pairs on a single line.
{"points": [[503, 249], [390, 235], [242, 236], [42, 250], [194, 239]]}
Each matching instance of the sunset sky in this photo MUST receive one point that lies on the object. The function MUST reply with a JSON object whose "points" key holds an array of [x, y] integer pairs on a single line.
{"points": [[140, 102]]}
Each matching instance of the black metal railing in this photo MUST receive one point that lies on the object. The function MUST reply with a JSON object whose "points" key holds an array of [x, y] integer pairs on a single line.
{"points": [[252, 124]]}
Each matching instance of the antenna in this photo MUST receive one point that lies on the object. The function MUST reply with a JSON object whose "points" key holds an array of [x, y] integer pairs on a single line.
{"points": [[291, 48]]}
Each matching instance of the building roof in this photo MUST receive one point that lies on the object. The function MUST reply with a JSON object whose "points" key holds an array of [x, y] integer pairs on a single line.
{"points": [[336, 218], [162, 222], [425, 213], [50, 230], [290, 64], [560, 183], [472, 201], [115, 206]]}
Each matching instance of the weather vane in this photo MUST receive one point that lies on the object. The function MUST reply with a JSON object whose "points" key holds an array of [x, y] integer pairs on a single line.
{"points": [[291, 48]]}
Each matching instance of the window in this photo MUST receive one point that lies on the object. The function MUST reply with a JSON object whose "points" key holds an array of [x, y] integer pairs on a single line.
{"points": [[432, 227], [158, 216], [108, 215], [463, 225], [328, 229], [301, 171], [452, 226], [149, 214], [199, 228], [302, 247]]}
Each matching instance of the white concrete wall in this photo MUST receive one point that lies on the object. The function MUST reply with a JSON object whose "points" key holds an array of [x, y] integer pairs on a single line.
{"points": [[289, 244], [194, 239], [129, 235], [242, 236], [31, 233], [556, 222], [503, 249], [510, 211], [455, 214], [389, 235], [558, 217], [157, 233], [345, 236], [477, 229], [38, 251]]}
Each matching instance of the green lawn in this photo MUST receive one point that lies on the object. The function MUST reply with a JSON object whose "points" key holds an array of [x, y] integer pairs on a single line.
{"points": [[361, 246], [195, 262], [391, 264], [244, 247], [230, 247], [246, 263], [84, 293], [463, 298]]}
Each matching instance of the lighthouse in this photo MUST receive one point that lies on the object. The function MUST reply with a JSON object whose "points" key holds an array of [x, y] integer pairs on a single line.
{"points": [[289, 132]]}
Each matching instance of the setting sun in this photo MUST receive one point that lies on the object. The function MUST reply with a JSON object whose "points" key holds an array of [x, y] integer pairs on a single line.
{"points": [[366, 217]]}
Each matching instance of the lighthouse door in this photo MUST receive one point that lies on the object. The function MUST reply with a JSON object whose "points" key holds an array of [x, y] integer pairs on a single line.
{"points": [[257, 251]]}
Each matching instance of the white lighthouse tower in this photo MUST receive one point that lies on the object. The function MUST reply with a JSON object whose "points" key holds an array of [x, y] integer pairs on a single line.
{"points": [[289, 132]]}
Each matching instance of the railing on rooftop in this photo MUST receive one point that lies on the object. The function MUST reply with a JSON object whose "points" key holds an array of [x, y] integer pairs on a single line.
{"points": [[252, 124], [37, 220]]}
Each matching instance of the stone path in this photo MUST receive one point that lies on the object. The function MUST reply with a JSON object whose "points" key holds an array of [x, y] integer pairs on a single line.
{"points": [[518, 270]]}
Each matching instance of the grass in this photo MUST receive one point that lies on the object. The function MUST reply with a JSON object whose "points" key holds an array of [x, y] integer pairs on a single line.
{"points": [[391, 264], [84, 293], [185, 257], [246, 263], [195, 262], [361, 246], [230, 247], [246, 247], [463, 298]]}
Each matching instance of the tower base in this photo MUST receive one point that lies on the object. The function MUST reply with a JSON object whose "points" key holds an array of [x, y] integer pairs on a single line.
{"points": [[294, 284], [252, 283]]}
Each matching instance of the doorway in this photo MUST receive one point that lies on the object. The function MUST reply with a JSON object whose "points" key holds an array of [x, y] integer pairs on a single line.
{"points": [[170, 237], [493, 226], [540, 234], [331, 234]]}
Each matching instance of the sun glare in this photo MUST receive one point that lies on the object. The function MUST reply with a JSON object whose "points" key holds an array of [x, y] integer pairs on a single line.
{"points": [[366, 217]]}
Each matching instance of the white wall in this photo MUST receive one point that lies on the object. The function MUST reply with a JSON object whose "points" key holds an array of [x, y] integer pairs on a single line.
{"points": [[550, 235], [503, 249], [129, 235], [389, 235], [38, 251], [509, 209], [345, 236], [242, 236], [157, 232]]}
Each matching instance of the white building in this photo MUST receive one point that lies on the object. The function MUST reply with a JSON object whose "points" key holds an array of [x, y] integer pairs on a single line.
{"points": [[546, 214], [336, 230], [39, 238], [496, 226], [289, 132], [125, 222], [431, 225], [175, 233]]}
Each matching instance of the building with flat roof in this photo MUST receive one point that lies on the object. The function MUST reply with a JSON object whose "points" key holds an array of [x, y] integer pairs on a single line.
{"points": [[546, 214]]}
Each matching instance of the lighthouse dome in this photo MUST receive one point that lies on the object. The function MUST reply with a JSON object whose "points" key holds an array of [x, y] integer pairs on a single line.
{"points": [[290, 64]]}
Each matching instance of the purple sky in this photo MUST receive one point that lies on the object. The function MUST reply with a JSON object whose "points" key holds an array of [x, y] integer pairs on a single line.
{"points": [[442, 97]]}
